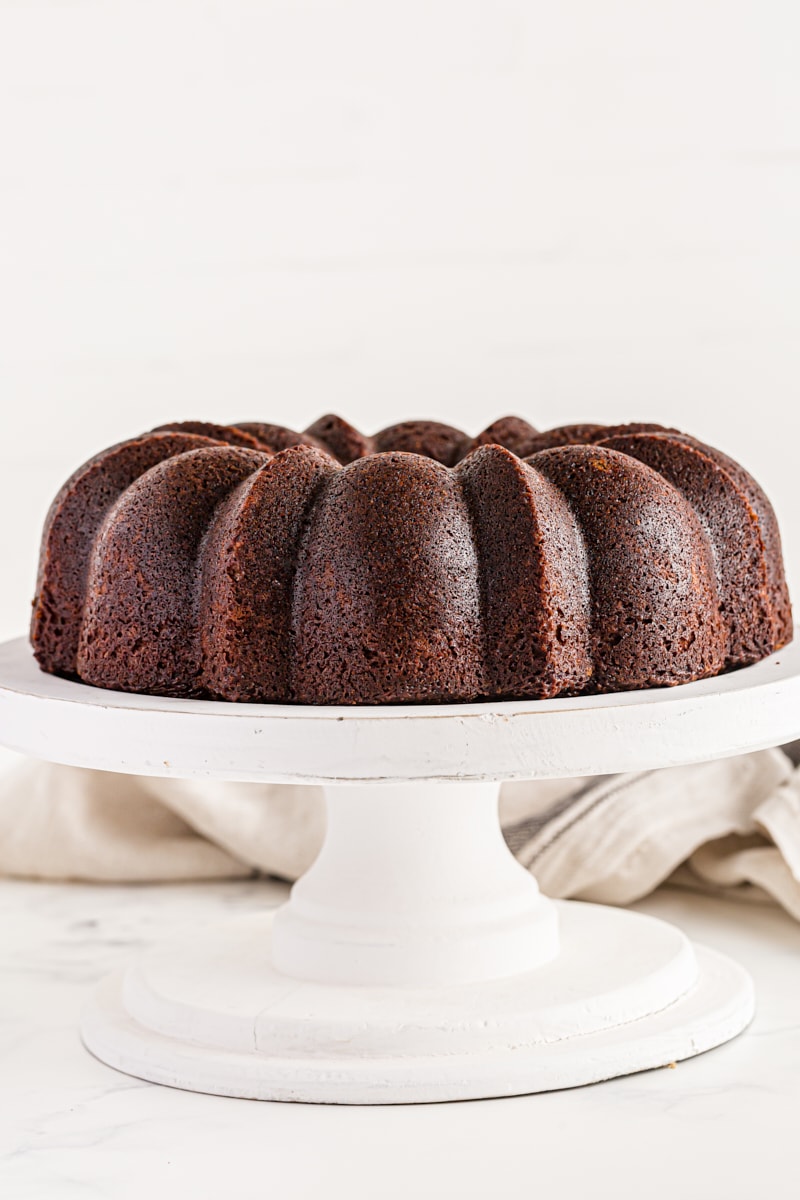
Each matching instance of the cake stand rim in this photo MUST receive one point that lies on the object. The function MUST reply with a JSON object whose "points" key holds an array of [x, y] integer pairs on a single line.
{"points": [[787, 660], [489, 740]]}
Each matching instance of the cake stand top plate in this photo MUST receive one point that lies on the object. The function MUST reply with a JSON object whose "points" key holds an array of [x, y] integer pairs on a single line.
{"points": [[61, 721]]}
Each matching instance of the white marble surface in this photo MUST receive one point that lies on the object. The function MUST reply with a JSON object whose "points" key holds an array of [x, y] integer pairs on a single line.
{"points": [[723, 1125]]}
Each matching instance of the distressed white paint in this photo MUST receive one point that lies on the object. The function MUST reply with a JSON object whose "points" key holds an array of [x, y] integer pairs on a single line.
{"points": [[211, 1014], [409, 965]]}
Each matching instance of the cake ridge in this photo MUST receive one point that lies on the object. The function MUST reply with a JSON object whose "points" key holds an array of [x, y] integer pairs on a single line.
{"points": [[243, 557], [522, 654], [357, 629], [631, 609], [696, 488], [152, 540], [75, 517]]}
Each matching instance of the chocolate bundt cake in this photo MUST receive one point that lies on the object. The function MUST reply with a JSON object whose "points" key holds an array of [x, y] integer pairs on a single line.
{"points": [[254, 563]]}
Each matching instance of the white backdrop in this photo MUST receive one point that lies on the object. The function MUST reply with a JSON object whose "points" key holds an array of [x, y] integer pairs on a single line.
{"points": [[454, 208]]}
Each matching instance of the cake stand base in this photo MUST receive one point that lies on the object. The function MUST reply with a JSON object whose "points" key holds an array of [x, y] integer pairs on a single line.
{"points": [[416, 961], [626, 993]]}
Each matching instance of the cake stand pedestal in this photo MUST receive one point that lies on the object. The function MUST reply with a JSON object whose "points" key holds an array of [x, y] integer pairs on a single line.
{"points": [[416, 960]]}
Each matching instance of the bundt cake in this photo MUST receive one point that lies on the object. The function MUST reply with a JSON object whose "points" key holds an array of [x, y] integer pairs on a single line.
{"points": [[254, 563]]}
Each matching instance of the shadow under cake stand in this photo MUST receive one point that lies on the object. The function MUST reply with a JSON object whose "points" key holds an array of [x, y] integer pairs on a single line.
{"points": [[416, 960]]}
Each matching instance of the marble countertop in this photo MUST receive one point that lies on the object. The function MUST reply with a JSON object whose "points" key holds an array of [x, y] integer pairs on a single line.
{"points": [[722, 1125]]}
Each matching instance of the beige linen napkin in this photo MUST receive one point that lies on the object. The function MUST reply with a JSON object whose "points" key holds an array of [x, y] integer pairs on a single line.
{"points": [[731, 826]]}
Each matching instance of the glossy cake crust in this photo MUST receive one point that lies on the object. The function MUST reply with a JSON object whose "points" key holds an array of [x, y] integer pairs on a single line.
{"points": [[252, 562]]}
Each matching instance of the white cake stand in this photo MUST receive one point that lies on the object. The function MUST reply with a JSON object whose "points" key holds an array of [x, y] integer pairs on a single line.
{"points": [[416, 960]]}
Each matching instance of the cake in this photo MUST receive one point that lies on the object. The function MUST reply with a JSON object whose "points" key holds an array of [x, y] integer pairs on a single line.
{"points": [[256, 563]]}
